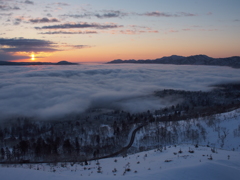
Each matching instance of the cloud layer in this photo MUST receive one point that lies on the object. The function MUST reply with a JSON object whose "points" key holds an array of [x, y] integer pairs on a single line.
{"points": [[55, 91]]}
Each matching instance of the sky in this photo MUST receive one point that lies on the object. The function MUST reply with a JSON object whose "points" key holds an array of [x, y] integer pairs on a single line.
{"points": [[104, 30]]}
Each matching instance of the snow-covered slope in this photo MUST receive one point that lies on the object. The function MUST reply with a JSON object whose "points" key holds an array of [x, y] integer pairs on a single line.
{"points": [[220, 131], [182, 161], [169, 164]]}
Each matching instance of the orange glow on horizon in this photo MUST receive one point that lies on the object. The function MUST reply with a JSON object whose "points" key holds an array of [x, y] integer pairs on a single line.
{"points": [[134, 50], [33, 57]]}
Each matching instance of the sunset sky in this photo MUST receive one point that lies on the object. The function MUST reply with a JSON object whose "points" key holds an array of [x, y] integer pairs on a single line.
{"points": [[104, 30]]}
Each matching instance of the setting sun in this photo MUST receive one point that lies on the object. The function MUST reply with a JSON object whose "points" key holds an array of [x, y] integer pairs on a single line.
{"points": [[33, 57]]}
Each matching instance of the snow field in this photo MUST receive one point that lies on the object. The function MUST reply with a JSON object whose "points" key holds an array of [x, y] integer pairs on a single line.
{"points": [[168, 164]]}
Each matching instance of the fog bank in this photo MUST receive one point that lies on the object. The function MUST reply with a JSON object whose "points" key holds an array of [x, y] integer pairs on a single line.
{"points": [[55, 91]]}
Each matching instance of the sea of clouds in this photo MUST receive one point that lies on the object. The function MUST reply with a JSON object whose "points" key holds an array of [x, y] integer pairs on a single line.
{"points": [[47, 92]]}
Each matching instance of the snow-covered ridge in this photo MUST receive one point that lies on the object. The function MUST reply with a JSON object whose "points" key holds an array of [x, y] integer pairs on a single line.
{"points": [[190, 60]]}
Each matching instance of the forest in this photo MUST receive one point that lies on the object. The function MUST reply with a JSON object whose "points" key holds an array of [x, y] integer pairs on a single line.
{"points": [[105, 133]]}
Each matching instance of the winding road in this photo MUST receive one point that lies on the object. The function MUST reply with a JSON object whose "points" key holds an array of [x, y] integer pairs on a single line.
{"points": [[124, 149]]}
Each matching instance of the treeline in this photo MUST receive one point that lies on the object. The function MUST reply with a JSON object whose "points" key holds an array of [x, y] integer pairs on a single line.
{"points": [[198, 103], [25, 140]]}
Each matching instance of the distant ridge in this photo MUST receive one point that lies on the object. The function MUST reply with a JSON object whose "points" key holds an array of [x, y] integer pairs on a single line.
{"points": [[190, 60], [6, 63]]}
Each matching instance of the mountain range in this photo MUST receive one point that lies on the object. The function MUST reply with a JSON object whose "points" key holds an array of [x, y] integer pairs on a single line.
{"points": [[190, 60]]}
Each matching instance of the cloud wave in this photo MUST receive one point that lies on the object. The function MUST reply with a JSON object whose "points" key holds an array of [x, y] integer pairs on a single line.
{"points": [[51, 92]]}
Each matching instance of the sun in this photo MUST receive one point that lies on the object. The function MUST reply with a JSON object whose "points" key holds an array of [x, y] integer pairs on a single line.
{"points": [[33, 57]]}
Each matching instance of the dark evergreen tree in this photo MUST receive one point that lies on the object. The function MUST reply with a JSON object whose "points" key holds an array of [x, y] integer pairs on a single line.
{"points": [[8, 154], [23, 145], [2, 153], [67, 147], [77, 146]]}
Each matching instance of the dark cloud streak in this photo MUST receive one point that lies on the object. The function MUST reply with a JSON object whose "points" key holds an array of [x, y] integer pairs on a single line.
{"points": [[81, 25], [29, 2], [111, 14], [26, 45], [69, 32], [105, 14], [43, 20], [24, 42], [163, 14], [119, 14]]}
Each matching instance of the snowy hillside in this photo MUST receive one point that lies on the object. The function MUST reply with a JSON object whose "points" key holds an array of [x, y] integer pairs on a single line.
{"points": [[169, 164], [216, 157], [220, 131]]}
